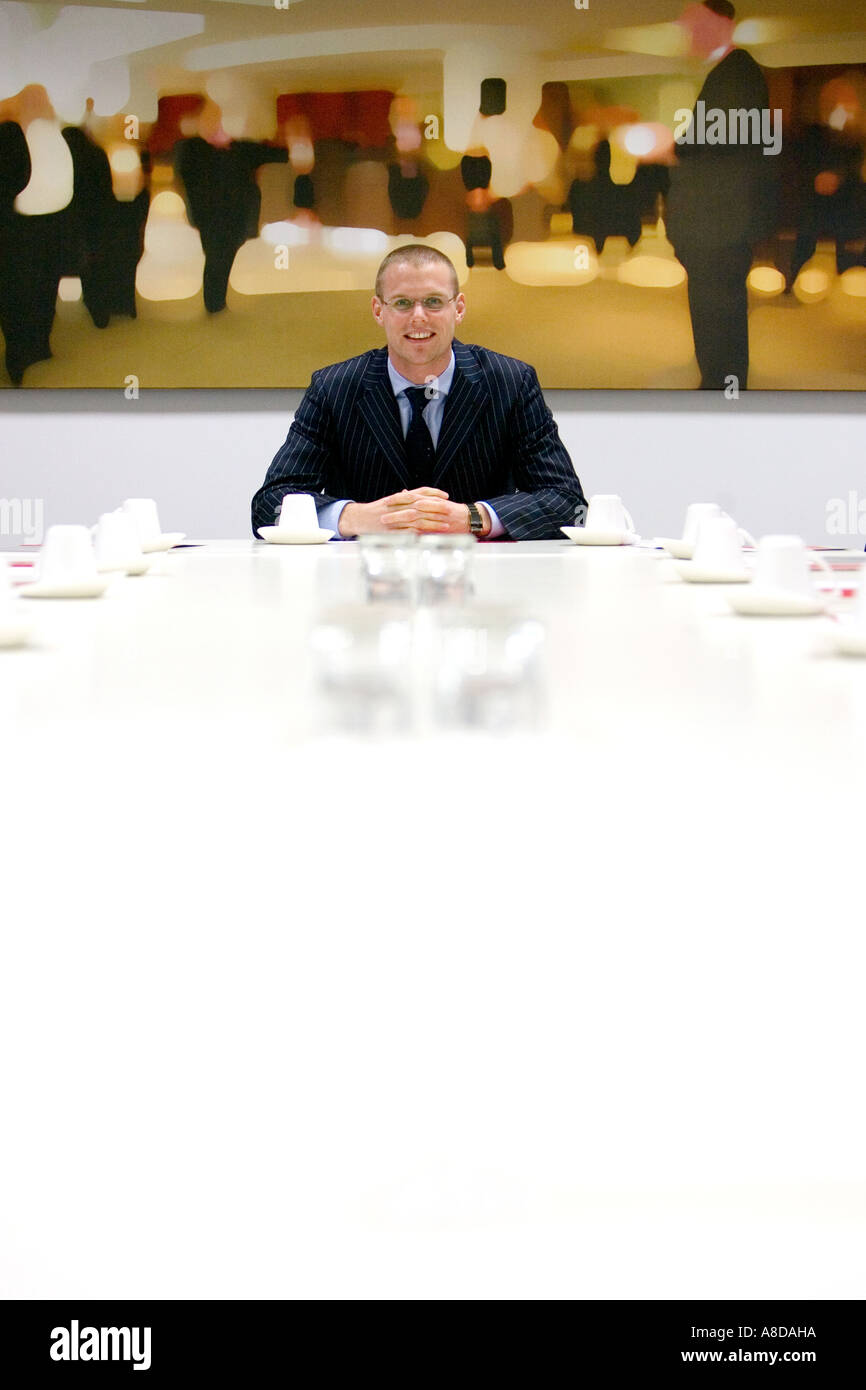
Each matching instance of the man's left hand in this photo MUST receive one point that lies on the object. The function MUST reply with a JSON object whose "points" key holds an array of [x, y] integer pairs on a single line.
{"points": [[433, 514]]}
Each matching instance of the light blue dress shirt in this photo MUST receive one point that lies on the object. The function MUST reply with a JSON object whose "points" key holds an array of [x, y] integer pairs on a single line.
{"points": [[438, 388]]}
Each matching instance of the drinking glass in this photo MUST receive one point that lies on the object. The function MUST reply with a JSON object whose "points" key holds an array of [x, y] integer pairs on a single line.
{"points": [[363, 668], [444, 568], [488, 670], [388, 565]]}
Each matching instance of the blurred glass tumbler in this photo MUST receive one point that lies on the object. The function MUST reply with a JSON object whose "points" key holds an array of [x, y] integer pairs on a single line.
{"points": [[488, 672], [363, 668], [388, 564], [444, 568]]}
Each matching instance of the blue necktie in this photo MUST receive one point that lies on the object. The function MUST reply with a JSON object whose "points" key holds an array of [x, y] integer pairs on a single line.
{"points": [[420, 453]]}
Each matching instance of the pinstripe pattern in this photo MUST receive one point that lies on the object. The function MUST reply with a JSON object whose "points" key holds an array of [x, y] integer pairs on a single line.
{"points": [[498, 443]]}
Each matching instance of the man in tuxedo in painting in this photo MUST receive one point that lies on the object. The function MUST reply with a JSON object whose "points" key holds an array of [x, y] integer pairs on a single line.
{"points": [[218, 175], [426, 434], [721, 200], [40, 233]]}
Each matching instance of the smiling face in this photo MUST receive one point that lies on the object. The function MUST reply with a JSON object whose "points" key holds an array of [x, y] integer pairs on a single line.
{"points": [[419, 342]]}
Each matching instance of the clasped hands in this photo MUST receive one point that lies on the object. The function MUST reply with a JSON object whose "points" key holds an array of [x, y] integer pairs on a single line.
{"points": [[423, 509]]}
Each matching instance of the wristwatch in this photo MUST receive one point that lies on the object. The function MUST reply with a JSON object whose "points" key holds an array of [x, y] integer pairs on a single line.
{"points": [[476, 520]]}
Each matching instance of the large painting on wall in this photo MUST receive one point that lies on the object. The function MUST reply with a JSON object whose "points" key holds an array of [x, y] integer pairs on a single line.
{"points": [[197, 193]]}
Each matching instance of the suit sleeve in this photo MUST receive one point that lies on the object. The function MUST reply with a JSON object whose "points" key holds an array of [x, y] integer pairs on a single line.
{"points": [[304, 461], [549, 492], [14, 165], [255, 153]]}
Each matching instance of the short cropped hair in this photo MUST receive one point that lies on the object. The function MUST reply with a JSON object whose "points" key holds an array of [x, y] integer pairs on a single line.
{"points": [[415, 254], [722, 7]]}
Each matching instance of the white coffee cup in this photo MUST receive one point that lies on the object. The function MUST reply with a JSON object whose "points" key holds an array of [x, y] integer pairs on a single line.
{"points": [[607, 513], [696, 512], [116, 543], [298, 513], [718, 546], [15, 631], [143, 513], [67, 556], [783, 566]]}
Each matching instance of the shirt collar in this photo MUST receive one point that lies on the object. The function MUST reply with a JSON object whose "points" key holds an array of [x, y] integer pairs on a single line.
{"points": [[440, 384]]}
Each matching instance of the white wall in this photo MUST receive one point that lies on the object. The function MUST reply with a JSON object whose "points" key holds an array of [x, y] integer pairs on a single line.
{"points": [[773, 460]]}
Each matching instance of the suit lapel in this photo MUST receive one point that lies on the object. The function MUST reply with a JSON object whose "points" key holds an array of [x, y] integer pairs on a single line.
{"points": [[380, 411], [467, 398], [465, 401]]}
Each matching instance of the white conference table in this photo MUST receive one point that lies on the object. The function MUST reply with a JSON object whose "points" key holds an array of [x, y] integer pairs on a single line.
{"points": [[575, 1012]]}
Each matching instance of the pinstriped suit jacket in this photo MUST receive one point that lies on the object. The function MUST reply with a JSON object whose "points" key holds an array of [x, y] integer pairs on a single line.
{"points": [[498, 443]]}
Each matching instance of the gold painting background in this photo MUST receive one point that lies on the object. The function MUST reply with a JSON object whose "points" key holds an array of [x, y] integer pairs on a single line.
{"points": [[349, 91]]}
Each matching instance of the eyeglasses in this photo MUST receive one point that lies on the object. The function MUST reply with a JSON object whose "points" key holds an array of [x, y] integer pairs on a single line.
{"points": [[434, 303]]}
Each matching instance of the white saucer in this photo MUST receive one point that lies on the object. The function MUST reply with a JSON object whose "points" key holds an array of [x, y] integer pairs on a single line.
{"points": [[83, 588], [140, 566], [581, 536], [680, 550], [696, 574], [14, 632], [163, 542], [850, 641], [776, 603], [281, 535]]}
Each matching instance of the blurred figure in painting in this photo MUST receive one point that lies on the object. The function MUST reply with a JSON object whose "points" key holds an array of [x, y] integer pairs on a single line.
{"points": [[223, 198], [39, 235], [722, 196]]}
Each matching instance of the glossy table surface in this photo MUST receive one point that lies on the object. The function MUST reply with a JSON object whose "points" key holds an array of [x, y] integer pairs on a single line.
{"points": [[573, 1011]]}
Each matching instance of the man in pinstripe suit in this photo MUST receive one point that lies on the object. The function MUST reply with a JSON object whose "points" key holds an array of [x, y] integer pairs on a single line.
{"points": [[427, 434]]}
